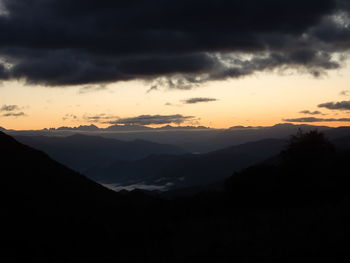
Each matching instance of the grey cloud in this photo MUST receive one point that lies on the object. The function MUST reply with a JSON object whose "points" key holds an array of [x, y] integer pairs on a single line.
{"points": [[152, 88], [14, 114], [92, 88], [311, 112], [154, 119], [71, 117], [342, 105], [9, 108], [345, 93], [198, 100], [100, 118], [312, 119]]}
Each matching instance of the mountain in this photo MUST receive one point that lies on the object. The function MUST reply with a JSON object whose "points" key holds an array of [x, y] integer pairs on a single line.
{"points": [[48, 212], [33, 174], [342, 142], [79, 128], [127, 128], [81, 152], [192, 138], [297, 209], [2, 129], [239, 135], [338, 132], [169, 171]]}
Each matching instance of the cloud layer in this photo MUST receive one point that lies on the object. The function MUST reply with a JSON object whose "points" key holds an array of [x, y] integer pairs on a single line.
{"points": [[13, 114], [312, 119], [9, 108], [100, 118], [177, 44], [11, 111], [198, 100], [342, 105], [311, 112], [154, 119]]}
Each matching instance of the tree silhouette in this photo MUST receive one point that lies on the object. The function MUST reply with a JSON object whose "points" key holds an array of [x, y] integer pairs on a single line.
{"points": [[307, 149]]}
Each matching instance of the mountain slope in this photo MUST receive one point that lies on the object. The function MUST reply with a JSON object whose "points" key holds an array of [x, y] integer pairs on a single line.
{"points": [[81, 152], [50, 213], [193, 139], [187, 170], [29, 170], [267, 213]]}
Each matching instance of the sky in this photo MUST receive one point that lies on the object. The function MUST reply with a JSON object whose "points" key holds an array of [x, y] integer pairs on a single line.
{"points": [[222, 64]]}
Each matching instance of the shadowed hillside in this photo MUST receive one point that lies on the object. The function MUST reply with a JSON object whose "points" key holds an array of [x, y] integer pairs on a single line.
{"points": [[53, 214], [170, 171], [193, 139], [81, 152], [295, 208]]}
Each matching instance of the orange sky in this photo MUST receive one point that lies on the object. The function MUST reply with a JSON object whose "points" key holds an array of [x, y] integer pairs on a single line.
{"points": [[260, 100]]}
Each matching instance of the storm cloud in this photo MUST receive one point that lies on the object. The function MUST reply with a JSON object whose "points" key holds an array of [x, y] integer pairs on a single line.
{"points": [[175, 44], [312, 119], [154, 119], [342, 105]]}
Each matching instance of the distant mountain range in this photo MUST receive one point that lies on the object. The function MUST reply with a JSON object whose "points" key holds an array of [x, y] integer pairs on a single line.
{"points": [[82, 152], [143, 164], [170, 171], [194, 139], [298, 208]]}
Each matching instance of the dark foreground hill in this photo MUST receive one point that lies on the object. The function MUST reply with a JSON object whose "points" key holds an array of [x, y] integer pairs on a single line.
{"points": [[50, 213], [296, 209]]}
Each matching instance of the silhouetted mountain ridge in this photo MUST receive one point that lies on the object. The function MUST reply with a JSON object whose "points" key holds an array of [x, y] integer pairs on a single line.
{"points": [[81, 152], [186, 170], [295, 209], [50, 213], [192, 138]]}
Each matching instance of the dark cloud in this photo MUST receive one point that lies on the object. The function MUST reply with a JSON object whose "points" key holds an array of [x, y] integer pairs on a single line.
{"points": [[312, 119], [342, 105], [14, 114], [154, 119], [9, 108], [198, 100], [311, 112], [4, 74], [174, 44]]}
